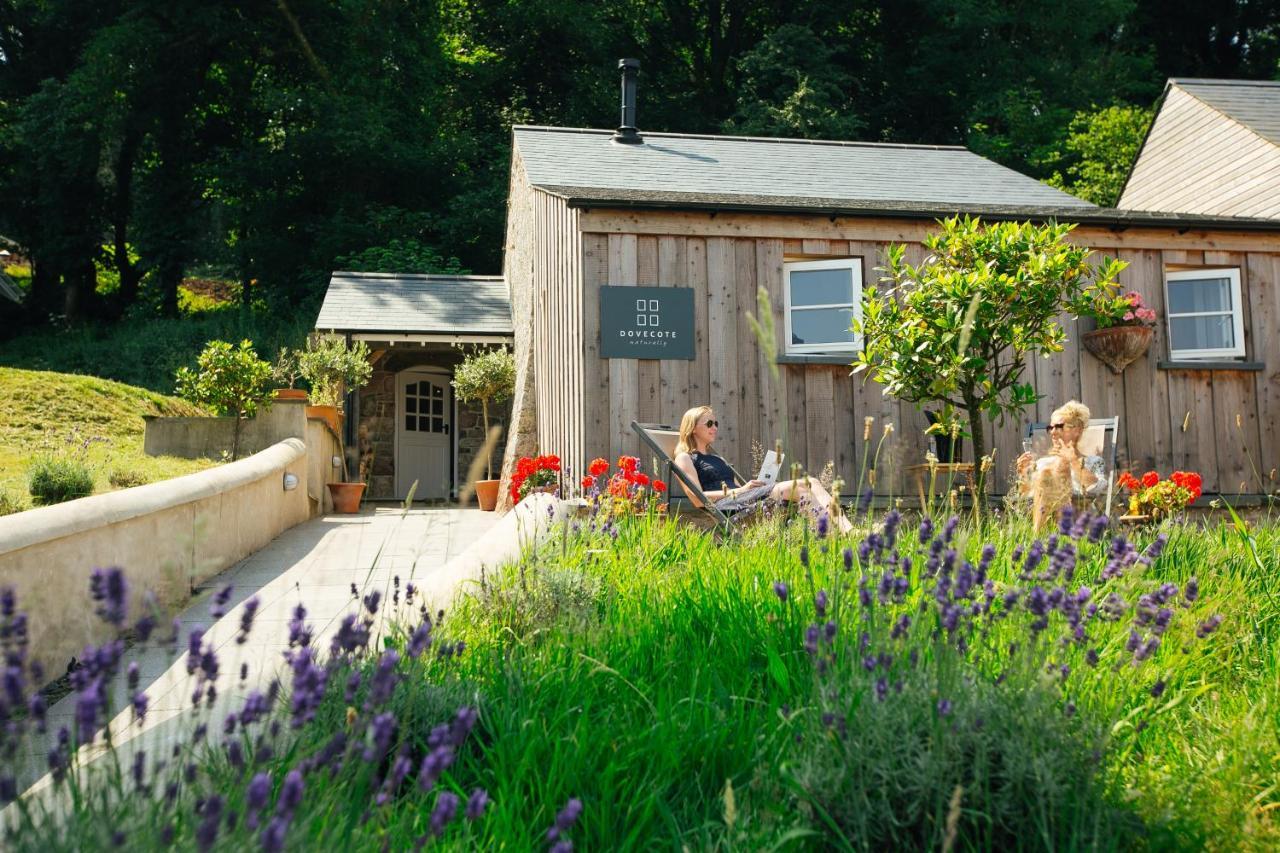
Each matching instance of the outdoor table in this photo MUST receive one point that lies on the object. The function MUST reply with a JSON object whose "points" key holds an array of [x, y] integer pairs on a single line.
{"points": [[944, 472]]}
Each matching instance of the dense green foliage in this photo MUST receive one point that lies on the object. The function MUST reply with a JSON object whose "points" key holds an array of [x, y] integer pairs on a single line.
{"points": [[280, 141], [955, 331], [1104, 144]]}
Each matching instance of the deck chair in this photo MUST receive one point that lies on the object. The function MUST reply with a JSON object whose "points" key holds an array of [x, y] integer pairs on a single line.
{"points": [[1099, 439], [659, 442]]}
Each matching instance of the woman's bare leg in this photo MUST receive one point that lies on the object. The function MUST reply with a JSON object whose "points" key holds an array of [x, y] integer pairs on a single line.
{"points": [[807, 488]]}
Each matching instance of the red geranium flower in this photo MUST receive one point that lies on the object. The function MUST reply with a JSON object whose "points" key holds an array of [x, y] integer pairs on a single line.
{"points": [[598, 467], [628, 463], [659, 486], [588, 482], [1150, 478], [640, 479], [1128, 481]]}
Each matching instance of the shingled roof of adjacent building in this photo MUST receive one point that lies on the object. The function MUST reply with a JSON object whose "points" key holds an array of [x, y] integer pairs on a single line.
{"points": [[690, 169], [416, 304], [1253, 103]]}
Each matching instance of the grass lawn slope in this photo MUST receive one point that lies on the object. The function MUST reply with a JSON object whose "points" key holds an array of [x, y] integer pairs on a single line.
{"points": [[41, 411]]}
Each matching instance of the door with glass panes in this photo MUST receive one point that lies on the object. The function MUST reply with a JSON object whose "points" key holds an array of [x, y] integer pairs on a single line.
{"points": [[424, 431]]}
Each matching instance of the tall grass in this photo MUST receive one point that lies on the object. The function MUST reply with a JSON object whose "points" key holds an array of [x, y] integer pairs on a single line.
{"points": [[690, 693]]}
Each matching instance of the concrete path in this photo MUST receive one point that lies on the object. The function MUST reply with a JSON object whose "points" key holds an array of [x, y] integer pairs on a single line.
{"points": [[316, 564]]}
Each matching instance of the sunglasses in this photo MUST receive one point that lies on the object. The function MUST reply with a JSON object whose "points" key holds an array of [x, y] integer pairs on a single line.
{"points": [[1052, 427], [711, 423]]}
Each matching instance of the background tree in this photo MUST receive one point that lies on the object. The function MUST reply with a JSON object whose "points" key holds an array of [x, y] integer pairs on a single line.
{"points": [[1102, 146], [955, 331], [490, 377]]}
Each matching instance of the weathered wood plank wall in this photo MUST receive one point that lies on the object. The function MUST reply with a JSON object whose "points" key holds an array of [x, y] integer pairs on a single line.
{"points": [[1169, 418]]}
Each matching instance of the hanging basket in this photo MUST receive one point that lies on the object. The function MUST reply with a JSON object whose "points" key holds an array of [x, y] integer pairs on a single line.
{"points": [[1118, 346]]}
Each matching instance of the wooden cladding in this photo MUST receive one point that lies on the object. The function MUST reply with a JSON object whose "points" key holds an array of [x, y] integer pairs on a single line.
{"points": [[1168, 418]]}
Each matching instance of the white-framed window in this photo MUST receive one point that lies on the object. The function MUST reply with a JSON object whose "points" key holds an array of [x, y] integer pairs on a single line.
{"points": [[1205, 317], [822, 300]]}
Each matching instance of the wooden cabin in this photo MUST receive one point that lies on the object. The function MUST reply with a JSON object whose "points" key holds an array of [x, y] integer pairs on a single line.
{"points": [[1213, 148], [706, 220]]}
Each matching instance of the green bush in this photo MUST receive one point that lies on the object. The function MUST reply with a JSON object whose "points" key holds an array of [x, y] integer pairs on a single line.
{"points": [[55, 479], [329, 366], [124, 478]]}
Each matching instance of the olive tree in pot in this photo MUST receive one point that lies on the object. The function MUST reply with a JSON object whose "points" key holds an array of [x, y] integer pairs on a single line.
{"points": [[229, 379], [331, 367], [487, 376]]}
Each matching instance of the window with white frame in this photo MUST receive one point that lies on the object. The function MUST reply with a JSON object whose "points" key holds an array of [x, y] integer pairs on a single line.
{"points": [[1204, 312], [822, 300]]}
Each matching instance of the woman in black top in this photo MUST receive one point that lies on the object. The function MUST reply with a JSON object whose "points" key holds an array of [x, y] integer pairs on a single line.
{"points": [[694, 456]]}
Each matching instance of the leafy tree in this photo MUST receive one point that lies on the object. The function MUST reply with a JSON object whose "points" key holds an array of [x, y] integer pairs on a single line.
{"points": [[1104, 144], [230, 380], [955, 330], [490, 377], [402, 256], [792, 86], [329, 365]]}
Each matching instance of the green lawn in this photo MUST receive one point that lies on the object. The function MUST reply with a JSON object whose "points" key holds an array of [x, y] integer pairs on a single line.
{"points": [[659, 677], [42, 411]]}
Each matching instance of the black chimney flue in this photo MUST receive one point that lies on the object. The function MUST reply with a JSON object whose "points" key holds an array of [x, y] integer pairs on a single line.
{"points": [[627, 132]]}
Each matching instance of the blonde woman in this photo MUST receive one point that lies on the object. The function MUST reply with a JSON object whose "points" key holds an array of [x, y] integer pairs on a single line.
{"points": [[1067, 471], [696, 458]]}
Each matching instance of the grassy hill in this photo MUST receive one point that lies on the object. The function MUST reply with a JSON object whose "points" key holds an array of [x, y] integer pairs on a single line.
{"points": [[42, 411]]}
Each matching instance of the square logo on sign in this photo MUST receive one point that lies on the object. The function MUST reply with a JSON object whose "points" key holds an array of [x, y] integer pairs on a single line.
{"points": [[641, 319], [653, 307]]}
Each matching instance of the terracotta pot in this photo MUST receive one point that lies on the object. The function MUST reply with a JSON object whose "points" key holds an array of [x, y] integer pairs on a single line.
{"points": [[291, 394], [1118, 346], [328, 414], [487, 494], [346, 496]]}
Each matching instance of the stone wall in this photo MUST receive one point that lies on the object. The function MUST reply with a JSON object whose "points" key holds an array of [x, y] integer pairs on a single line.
{"points": [[376, 431]]}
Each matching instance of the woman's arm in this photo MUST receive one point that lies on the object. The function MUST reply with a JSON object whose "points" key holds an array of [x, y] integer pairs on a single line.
{"points": [[685, 463]]}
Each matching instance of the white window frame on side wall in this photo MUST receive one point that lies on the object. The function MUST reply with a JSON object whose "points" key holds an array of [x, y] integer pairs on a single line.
{"points": [[1237, 313], [854, 265]]}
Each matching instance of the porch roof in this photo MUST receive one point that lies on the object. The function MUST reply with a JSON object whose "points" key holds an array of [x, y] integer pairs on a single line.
{"points": [[410, 304]]}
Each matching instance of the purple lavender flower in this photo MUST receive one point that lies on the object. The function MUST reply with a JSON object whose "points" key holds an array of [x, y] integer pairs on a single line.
{"points": [[384, 680], [1157, 689], [1098, 527], [299, 633], [309, 682], [476, 804], [140, 701], [1148, 649], [420, 639], [211, 817], [88, 705], [804, 555], [371, 602], [780, 589], [811, 635], [1091, 657], [235, 754], [218, 608], [272, 838], [445, 809], [8, 601], [824, 524], [1208, 626], [381, 730], [433, 764], [882, 689], [950, 529], [255, 798], [1066, 520], [901, 626], [144, 627], [848, 559], [1192, 590], [108, 588], [820, 603], [290, 793], [246, 619], [926, 529], [566, 818], [944, 707]]}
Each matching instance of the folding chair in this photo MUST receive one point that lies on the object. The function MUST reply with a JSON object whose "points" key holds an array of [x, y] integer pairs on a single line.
{"points": [[1099, 439], [660, 441]]}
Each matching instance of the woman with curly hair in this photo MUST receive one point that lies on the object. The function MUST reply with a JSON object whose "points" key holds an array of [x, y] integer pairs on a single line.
{"points": [[1067, 471]]}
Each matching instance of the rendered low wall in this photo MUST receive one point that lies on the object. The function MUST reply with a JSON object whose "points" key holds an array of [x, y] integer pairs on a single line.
{"points": [[210, 438], [168, 537]]}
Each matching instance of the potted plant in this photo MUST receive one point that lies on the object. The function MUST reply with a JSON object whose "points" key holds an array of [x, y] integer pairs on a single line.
{"points": [[948, 434], [488, 376], [535, 474], [231, 380], [329, 365], [286, 371], [1153, 499], [1126, 325]]}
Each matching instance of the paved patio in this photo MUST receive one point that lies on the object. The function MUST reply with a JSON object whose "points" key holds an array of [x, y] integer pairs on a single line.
{"points": [[316, 564]]}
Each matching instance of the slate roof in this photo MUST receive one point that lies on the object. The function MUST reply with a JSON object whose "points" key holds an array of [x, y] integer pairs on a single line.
{"points": [[777, 173], [1253, 103], [416, 304]]}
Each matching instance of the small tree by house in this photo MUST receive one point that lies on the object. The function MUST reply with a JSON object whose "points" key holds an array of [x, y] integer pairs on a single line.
{"points": [[329, 365], [490, 377], [955, 331], [229, 379]]}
